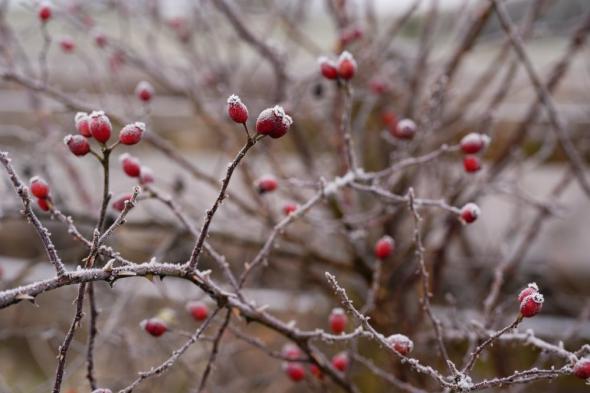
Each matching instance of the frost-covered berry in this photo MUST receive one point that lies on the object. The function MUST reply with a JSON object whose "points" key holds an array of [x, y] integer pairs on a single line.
{"points": [[328, 68], [295, 371], [144, 91], [236, 109], [146, 175], [401, 344], [39, 187], [289, 208], [154, 326], [119, 202], [266, 184], [291, 351], [531, 305], [470, 212], [338, 320], [43, 204], [273, 122], [100, 126], [82, 123], [471, 164], [44, 11], [132, 133], [77, 144], [340, 361], [529, 290], [130, 164], [100, 39], [198, 310], [473, 143], [346, 66], [582, 368], [404, 129], [67, 44], [384, 247]]}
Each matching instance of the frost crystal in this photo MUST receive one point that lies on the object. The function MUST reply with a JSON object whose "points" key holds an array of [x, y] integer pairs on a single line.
{"points": [[234, 100]]}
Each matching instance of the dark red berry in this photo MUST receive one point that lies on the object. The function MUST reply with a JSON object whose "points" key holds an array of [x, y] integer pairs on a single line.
{"points": [[473, 143], [346, 66], [328, 68], [154, 326], [119, 202], [82, 123], [389, 119], [340, 361], [144, 91], [471, 164], [273, 122], [582, 368], [39, 187], [531, 305], [67, 44], [401, 344], [100, 126], [404, 129], [338, 320], [130, 164], [44, 12], [198, 310], [295, 371], [236, 109], [529, 290], [77, 144], [266, 184], [289, 208], [469, 213], [43, 204], [132, 133], [384, 247]]}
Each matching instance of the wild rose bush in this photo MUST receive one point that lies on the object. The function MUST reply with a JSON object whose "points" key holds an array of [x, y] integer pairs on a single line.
{"points": [[363, 173]]}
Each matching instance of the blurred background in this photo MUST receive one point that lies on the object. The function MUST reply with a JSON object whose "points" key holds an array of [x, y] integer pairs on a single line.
{"points": [[411, 65]]}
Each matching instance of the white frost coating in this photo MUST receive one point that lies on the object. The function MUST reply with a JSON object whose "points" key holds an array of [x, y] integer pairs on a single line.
{"points": [[486, 140], [464, 383], [67, 139], [533, 285], [280, 113], [473, 209], [234, 100], [338, 311], [124, 157], [34, 179], [80, 116], [472, 138], [536, 297], [338, 183], [346, 55], [144, 85], [326, 60], [97, 113], [140, 125], [401, 339]]}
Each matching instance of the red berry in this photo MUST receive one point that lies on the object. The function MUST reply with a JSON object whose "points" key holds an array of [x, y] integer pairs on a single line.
{"points": [[340, 361], [529, 290], [295, 371], [44, 11], [154, 326], [274, 122], [130, 164], [77, 144], [100, 39], [67, 44], [338, 320], [198, 310], [377, 86], [291, 351], [531, 305], [404, 129], [236, 109], [384, 247], [401, 344], [328, 68], [582, 368], [350, 35], [100, 126], [266, 184], [43, 204], [389, 119], [144, 91], [132, 133], [471, 164], [119, 203], [82, 123], [146, 175], [315, 371], [346, 66], [289, 208], [473, 143], [470, 212], [39, 187]]}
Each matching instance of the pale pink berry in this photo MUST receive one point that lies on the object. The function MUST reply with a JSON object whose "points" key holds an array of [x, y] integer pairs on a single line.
{"points": [[100, 39], [132, 133], [39, 187], [236, 109], [67, 44], [338, 320], [273, 122], [384, 247], [130, 164], [531, 305], [346, 66], [100, 126], [144, 91], [470, 212], [401, 343], [82, 123], [119, 202], [77, 144]]}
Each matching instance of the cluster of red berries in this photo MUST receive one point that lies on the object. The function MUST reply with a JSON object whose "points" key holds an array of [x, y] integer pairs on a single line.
{"points": [[157, 326], [404, 129], [471, 144], [40, 190], [344, 68], [295, 369], [133, 168], [273, 122], [531, 301]]}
